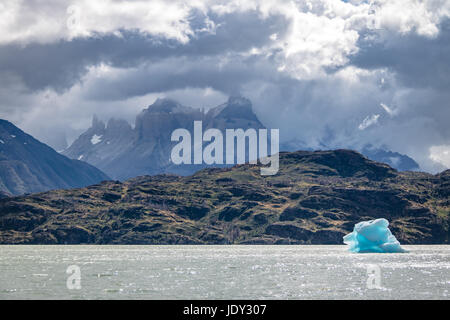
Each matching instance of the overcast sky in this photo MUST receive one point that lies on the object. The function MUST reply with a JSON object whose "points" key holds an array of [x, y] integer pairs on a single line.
{"points": [[327, 73]]}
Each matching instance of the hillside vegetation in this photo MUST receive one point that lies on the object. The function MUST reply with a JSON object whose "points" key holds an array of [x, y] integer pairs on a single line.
{"points": [[316, 198]]}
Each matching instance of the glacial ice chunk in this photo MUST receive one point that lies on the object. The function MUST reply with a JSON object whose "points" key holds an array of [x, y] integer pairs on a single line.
{"points": [[372, 236]]}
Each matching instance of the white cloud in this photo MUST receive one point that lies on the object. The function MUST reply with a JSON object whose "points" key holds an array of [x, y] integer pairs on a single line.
{"points": [[368, 121], [26, 21], [388, 110], [441, 155], [322, 34], [316, 42], [406, 16]]}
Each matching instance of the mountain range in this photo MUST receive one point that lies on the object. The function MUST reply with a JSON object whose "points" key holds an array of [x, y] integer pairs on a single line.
{"points": [[315, 198], [27, 165], [124, 152]]}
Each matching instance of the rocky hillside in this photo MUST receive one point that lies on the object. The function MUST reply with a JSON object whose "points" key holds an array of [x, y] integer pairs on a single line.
{"points": [[27, 165], [315, 198], [396, 160]]}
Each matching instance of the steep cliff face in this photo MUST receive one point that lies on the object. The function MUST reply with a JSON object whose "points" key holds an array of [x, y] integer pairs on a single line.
{"points": [[146, 149], [27, 165], [235, 113], [315, 198], [101, 143]]}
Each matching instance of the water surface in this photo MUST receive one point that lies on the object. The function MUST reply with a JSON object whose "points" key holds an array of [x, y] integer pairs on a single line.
{"points": [[223, 272]]}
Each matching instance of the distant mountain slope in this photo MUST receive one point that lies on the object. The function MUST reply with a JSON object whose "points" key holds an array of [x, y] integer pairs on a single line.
{"points": [[394, 159], [123, 152], [27, 165], [315, 198]]}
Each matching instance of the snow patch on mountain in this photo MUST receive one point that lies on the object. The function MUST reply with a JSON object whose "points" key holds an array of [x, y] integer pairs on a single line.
{"points": [[96, 139]]}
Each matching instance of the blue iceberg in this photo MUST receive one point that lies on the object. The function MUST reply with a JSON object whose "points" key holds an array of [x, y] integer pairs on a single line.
{"points": [[372, 236]]}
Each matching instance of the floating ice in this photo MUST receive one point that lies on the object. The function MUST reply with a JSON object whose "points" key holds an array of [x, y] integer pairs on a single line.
{"points": [[372, 236]]}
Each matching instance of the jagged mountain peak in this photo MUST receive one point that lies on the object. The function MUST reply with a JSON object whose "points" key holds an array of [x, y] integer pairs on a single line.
{"points": [[97, 124], [167, 105], [114, 124], [235, 107], [124, 152], [239, 101]]}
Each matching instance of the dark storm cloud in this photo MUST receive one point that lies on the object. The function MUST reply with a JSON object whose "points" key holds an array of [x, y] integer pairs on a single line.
{"points": [[421, 92], [226, 74], [418, 61], [62, 64], [315, 109]]}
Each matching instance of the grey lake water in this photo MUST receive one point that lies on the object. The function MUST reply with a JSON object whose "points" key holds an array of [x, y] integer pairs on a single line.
{"points": [[221, 272]]}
